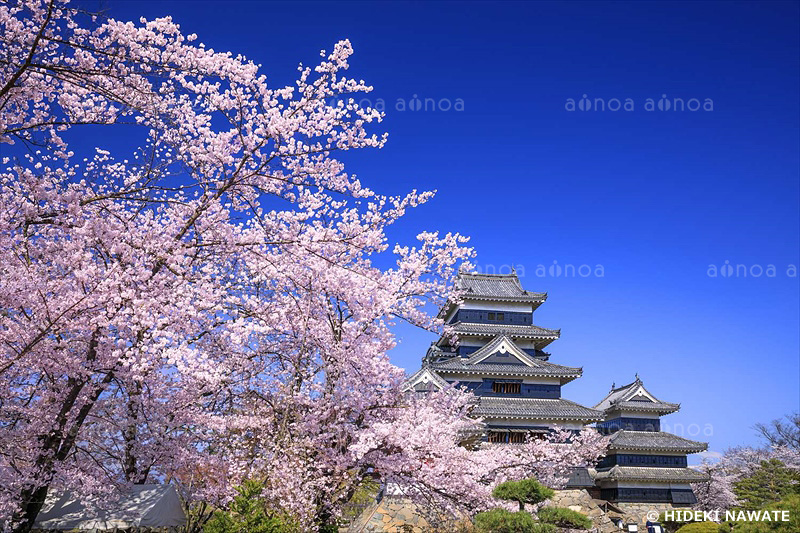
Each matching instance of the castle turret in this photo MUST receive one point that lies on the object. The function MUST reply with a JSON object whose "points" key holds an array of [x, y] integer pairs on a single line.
{"points": [[500, 357], [645, 468]]}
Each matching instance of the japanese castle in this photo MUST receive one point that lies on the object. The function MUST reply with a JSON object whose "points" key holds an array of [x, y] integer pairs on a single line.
{"points": [[643, 463], [500, 356]]}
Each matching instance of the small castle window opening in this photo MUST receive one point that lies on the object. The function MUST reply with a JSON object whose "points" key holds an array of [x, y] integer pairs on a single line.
{"points": [[507, 437], [506, 388]]}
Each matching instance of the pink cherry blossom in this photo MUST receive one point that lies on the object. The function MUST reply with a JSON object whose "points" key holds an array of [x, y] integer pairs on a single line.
{"points": [[215, 302]]}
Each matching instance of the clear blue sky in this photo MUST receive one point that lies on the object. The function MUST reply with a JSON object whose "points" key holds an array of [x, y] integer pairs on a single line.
{"points": [[655, 197]]}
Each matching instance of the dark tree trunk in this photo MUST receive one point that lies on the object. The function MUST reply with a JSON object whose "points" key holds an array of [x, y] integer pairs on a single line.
{"points": [[56, 445], [34, 499]]}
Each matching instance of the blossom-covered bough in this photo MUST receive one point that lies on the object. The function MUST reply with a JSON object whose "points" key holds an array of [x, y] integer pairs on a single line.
{"points": [[199, 300], [717, 493]]}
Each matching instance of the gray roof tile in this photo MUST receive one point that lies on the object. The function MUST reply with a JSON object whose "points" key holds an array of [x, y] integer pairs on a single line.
{"points": [[520, 363], [495, 286], [654, 440], [634, 397], [433, 380], [515, 331], [504, 407], [642, 473], [541, 368], [500, 342]]}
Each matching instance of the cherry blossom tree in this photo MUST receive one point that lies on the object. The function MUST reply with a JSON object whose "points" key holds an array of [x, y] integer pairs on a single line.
{"points": [[716, 493], [736, 464], [438, 473], [213, 301], [744, 460]]}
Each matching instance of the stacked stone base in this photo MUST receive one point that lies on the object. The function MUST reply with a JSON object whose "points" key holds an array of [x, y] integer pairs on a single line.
{"points": [[400, 515], [580, 500], [637, 512]]}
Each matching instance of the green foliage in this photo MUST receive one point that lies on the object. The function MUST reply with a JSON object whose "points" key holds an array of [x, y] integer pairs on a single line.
{"points": [[563, 517], [700, 527], [366, 493], [538, 527], [502, 521], [247, 514], [522, 492], [770, 483], [791, 503]]}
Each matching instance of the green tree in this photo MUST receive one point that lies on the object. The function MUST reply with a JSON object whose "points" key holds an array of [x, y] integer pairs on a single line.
{"points": [[247, 514], [522, 492], [771, 482], [791, 503], [563, 517], [502, 521]]}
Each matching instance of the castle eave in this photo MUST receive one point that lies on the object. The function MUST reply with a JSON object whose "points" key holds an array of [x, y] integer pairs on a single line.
{"points": [[639, 473], [537, 408], [627, 440]]}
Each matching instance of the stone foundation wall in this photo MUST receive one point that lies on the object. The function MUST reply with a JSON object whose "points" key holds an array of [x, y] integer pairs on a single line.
{"points": [[637, 512], [399, 515], [581, 501]]}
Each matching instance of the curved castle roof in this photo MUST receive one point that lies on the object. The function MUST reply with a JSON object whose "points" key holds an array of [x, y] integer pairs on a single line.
{"points": [[495, 287], [516, 362], [540, 408], [634, 397], [637, 473], [634, 441]]}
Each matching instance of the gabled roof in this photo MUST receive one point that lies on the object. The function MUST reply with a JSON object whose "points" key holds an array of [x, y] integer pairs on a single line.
{"points": [[503, 344], [634, 397], [423, 380], [626, 440], [504, 287], [519, 364], [655, 473], [505, 407], [492, 287]]}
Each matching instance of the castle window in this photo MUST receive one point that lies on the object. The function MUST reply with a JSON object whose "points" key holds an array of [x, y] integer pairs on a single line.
{"points": [[506, 388], [496, 317], [505, 436], [498, 436], [516, 438]]}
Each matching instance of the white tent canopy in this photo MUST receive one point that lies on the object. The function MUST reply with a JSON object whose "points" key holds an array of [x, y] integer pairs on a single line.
{"points": [[140, 506]]}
